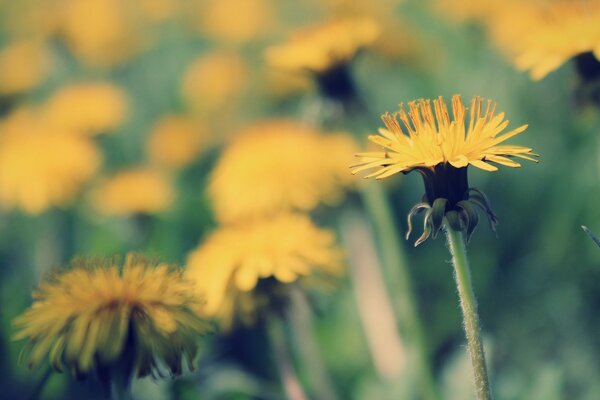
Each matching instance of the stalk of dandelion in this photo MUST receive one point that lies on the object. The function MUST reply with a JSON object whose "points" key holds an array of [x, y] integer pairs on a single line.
{"points": [[441, 149], [326, 51]]}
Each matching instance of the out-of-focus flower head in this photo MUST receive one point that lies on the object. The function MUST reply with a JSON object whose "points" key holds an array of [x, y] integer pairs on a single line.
{"points": [[23, 65], [541, 36], [30, 18], [100, 317], [134, 191], [279, 165], [175, 141], [214, 80], [243, 269], [89, 108], [318, 48], [42, 165], [234, 21], [102, 33], [440, 148]]}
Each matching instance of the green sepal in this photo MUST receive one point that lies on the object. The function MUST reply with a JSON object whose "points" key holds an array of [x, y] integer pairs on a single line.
{"points": [[426, 228], [414, 211], [478, 198], [470, 216], [437, 215], [591, 235]]}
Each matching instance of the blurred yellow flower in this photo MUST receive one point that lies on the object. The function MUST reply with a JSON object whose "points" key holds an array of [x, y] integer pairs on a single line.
{"points": [[323, 46], [101, 33], [133, 191], [541, 36], [41, 165], [242, 268], [236, 21], [432, 139], [279, 165], [99, 314], [213, 80], [89, 108], [175, 141], [23, 65]]}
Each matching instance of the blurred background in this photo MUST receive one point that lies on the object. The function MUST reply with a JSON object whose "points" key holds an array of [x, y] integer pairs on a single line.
{"points": [[113, 115]]}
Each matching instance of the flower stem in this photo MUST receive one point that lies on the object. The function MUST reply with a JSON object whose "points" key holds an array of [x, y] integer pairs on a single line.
{"points": [[291, 384], [468, 304], [396, 269]]}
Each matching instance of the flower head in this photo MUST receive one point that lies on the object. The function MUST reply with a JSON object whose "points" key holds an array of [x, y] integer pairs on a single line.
{"points": [[89, 108], [42, 165], [277, 166], [242, 268], [440, 149], [99, 314], [23, 65], [133, 191]]}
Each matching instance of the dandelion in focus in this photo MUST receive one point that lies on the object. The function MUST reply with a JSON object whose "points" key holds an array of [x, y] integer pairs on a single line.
{"points": [[134, 191], [114, 321], [276, 166], [89, 108], [42, 165], [244, 269], [175, 141], [24, 64]]}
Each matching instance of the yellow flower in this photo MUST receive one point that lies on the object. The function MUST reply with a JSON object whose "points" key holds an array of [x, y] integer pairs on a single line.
{"points": [[89, 108], [542, 36], [23, 65], [101, 33], [214, 80], [236, 21], [441, 149], [324, 46], [277, 166], [175, 141], [41, 165], [239, 269], [132, 191], [99, 314]]}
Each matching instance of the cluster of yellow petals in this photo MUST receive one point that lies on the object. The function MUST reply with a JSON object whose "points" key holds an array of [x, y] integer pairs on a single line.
{"points": [[320, 47], [137, 190], [23, 65], [88, 108], [433, 138], [42, 165], [175, 141], [230, 262], [279, 165], [83, 316]]}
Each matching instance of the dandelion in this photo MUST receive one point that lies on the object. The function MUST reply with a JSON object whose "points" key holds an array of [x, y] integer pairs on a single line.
{"points": [[23, 65], [89, 108], [325, 50], [133, 191], [175, 141], [42, 166], [102, 318], [441, 150], [244, 269], [276, 166]]}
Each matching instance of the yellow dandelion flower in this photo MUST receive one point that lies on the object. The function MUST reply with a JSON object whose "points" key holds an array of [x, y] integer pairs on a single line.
{"points": [[23, 65], [90, 108], [99, 314], [40, 165], [548, 34], [277, 166], [175, 141], [139, 190], [324, 46], [238, 267], [253, 18], [214, 80], [441, 149], [101, 33]]}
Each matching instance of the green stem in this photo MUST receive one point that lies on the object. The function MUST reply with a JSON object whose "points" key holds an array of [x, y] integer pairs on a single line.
{"points": [[291, 384], [396, 268], [309, 353], [468, 304]]}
